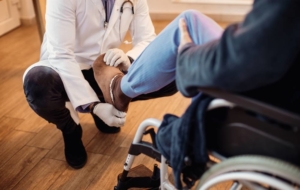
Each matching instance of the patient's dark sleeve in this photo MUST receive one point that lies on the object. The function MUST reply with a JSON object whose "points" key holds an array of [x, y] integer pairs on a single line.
{"points": [[254, 53]]}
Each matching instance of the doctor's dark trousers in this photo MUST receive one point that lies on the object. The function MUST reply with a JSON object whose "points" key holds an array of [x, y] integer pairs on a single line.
{"points": [[46, 95]]}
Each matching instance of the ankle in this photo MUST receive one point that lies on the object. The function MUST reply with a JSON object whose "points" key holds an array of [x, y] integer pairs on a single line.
{"points": [[121, 100]]}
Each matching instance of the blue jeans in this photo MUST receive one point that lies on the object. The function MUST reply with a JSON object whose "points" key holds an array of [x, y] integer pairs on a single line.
{"points": [[156, 66]]}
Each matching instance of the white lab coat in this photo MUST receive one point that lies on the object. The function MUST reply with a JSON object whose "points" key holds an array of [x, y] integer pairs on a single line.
{"points": [[75, 36]]}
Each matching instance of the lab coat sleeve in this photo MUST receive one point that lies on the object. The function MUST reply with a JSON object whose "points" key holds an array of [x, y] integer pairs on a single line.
{"points": [[61, 33], [141, 29], [257, 52]]}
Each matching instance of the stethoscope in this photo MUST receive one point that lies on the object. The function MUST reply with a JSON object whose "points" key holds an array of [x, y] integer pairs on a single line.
{"points": [[121, 10]]}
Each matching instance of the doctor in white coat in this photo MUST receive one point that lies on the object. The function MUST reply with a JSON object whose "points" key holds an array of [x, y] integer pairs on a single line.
{"points": [[62, 82]]}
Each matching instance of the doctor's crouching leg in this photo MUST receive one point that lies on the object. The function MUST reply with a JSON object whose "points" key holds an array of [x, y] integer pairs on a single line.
{"points": [[155, 68], [46, 95]]}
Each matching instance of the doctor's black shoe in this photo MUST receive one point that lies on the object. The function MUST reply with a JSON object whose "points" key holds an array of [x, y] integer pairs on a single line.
{"points": [[103, 127], [75, 153]]}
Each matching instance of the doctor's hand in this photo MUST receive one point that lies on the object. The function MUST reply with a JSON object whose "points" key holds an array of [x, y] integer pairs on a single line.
{"points": [[185, 37], [117, 58], [110, 115]]}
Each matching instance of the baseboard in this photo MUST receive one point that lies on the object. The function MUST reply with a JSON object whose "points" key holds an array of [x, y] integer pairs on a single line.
{"points": [[228, 18], [28, 21]]}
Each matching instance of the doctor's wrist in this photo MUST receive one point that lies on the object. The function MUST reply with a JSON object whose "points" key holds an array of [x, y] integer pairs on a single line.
{"points": [[92, 107]]}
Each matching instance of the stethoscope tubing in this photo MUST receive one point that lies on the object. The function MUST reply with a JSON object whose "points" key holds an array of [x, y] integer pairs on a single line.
{"points": [[127, 1], [121, 9]]}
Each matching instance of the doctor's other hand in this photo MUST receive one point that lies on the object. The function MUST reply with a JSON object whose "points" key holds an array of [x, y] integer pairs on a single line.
{"points": [[185, 37], [117, 58], [110, 115]]}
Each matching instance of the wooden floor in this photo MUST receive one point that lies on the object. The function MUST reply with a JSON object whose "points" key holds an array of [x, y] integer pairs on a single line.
{"points": [[31, 149]]}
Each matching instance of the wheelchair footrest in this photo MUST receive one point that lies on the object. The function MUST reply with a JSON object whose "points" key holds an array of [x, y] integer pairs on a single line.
{"points": [[140, 177]]}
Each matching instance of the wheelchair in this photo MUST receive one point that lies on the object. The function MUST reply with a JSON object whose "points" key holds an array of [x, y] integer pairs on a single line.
{"points": [[250, 151]]}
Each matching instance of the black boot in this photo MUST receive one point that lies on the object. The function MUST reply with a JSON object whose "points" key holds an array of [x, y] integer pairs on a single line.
{"points": [[74, 150], [103, 127]]}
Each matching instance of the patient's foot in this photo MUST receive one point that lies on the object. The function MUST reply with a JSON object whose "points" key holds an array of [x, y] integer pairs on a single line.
{"points": [[109, 81]]}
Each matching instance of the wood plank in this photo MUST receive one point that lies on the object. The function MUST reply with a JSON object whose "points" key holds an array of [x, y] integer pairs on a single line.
{"points": [[13, 85], [80, 179], [12, 101], [27, 36], [57, 152], [7, 125], [12, 144], [43, 175], [18, 50], [47, 138], [17, 167], [23, 111], [35, 124]]}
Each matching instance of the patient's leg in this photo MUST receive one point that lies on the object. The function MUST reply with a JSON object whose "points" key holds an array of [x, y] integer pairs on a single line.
{"points": [[155, 67]]}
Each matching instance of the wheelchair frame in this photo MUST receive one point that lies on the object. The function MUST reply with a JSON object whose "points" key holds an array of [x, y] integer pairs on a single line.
{"points": [[242, 177]]}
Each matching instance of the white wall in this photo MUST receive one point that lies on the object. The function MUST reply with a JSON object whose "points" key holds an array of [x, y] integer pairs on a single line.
{"points": [[221, 10], [26, 11]]}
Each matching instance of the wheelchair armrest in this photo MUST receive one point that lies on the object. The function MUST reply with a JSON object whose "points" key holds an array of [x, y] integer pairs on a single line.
{"points": [[270, 111]]}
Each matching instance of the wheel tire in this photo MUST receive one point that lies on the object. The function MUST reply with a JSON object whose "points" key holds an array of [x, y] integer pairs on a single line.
{"points": [[263, 164]]}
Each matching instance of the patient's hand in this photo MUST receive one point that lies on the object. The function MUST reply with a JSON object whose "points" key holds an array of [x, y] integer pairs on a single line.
{"points": [[185, 36]]}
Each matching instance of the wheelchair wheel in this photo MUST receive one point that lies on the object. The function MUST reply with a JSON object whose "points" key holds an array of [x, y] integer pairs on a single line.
{"points": [[252, 172]]}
